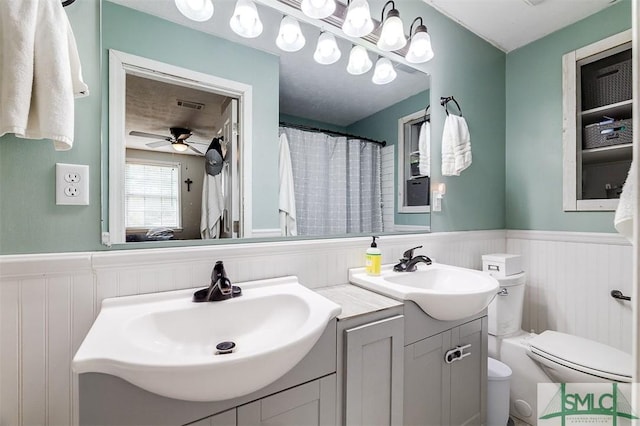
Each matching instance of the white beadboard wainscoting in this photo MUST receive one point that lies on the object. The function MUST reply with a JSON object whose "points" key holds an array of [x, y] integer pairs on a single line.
{"points": [[570, 276], [49, 301]]}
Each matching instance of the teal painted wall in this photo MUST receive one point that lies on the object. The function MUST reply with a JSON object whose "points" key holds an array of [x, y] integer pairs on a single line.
{"points": [[473, 71], [383, 126], [534, 126], [464, 66], [144, 35], [30, 221]]}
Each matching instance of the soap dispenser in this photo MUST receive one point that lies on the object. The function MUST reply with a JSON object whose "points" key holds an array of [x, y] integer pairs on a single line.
{"points": [[373, 261]]}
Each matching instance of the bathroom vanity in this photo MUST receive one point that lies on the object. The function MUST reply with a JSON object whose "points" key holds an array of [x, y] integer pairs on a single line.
{"points": [[381, 361]]}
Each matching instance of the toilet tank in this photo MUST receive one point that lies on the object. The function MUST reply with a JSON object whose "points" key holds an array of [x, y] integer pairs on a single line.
{"points": [[505, 311]]}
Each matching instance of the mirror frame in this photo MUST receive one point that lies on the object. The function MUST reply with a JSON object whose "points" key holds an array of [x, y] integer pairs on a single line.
{"points": [[121, 64]]}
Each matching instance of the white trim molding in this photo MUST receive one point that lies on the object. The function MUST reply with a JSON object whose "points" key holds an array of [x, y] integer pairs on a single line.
{"points": [[569, 237]]}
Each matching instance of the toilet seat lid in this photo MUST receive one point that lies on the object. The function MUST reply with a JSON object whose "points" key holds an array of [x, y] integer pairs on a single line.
{"points": [[584, 355]]}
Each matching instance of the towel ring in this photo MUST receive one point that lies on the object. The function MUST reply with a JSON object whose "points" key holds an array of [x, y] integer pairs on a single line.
{"points": [[66, 3], [427, 117], [444, 101]]}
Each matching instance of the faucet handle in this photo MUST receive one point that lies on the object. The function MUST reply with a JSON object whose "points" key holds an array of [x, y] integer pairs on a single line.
{"points": [[409, 253], [218, 272]]}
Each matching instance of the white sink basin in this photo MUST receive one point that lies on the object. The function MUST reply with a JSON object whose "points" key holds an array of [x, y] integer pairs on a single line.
{"points": [[166, 344], [444, 292]]}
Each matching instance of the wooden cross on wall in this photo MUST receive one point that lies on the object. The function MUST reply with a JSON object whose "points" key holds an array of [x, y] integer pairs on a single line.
{"points": [[188, 182]]}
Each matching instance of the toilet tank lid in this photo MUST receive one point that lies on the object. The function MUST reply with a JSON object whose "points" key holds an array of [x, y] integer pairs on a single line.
{"points": [[499, 257], [497, 371], [512, 280], [583, 352]]}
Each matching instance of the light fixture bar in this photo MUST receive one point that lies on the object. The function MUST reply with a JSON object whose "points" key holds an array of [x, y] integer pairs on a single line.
{"points": [[337, 19]]}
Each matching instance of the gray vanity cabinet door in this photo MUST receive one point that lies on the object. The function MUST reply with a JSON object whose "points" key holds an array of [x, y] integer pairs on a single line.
{"points": [[438, 393], [311, 404], [374, 373], [426, 382], [226, 418], [468, 375]]}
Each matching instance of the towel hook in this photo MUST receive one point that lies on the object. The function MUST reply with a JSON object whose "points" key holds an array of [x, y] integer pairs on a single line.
{"points": [[66, 3], [426, 112], [444, 101]]}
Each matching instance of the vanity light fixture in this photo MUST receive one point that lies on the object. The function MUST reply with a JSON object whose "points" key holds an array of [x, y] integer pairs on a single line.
{"points": [[196, 10], [318, 9], [327, 50], [359, 61], [290, 37], [358, 22], [384, 72], [245, 20], [180, 146], [392, 35], [420, 49]]}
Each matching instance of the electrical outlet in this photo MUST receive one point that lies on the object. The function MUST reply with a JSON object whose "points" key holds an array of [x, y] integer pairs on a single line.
{"points": [[72, 184], [72, 177]]}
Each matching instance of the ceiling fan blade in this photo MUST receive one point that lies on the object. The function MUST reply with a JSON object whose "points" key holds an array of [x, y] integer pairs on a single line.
{"points": [[183, 136], [149, 135], [192, 148], [158, 144]]}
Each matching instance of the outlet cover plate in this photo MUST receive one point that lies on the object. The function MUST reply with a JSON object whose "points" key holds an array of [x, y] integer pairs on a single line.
{"points": [[72, 184]]}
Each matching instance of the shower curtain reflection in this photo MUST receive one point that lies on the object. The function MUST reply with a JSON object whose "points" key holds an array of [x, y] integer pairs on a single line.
{"points": [[337, 183]]}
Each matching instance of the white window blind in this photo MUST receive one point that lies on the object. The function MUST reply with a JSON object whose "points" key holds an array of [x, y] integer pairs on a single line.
{"points": [[152, 195]]}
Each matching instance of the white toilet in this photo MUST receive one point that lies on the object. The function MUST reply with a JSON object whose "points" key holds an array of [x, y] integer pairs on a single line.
{"points": [[547, 357]]}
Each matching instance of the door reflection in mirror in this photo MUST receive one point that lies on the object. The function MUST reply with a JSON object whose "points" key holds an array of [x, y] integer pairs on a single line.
{"points": [[166, 125]]}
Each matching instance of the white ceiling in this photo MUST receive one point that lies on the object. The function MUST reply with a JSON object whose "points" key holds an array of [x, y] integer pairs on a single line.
{"points": [[510, 24], [151, 107]]}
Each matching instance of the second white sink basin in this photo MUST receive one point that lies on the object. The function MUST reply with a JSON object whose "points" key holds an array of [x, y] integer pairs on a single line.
{"points": [[166, 344], [443, 292]]}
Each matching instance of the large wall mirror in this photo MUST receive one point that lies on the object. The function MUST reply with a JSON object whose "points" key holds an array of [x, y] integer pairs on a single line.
{"points": [[216, 136]]}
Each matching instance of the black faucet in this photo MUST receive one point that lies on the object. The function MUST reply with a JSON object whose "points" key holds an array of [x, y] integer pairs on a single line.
{"points": [[220, 288], [408, 262]]}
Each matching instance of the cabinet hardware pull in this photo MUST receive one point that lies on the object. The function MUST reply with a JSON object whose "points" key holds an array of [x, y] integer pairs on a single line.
{"points": [[456, 354]]}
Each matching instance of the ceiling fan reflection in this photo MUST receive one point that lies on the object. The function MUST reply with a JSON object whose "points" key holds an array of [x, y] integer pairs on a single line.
{"points": [[177, 140]]}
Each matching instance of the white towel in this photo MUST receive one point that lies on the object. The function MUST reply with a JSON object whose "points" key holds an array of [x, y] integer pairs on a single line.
{"points": [[456, 146], [212, 206], [623, 220], [424, 149], [287, 203], [39, 72]]}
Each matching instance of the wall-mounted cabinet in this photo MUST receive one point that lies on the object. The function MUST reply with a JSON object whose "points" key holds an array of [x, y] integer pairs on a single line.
{"points": [[597, 123], [413, 163]]}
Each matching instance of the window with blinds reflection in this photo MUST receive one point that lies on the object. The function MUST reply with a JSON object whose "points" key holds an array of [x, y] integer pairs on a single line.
{"points": [[152, 195]]}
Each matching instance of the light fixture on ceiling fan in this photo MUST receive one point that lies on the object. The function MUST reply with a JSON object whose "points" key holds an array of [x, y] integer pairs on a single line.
{"points": [[177, 140]]}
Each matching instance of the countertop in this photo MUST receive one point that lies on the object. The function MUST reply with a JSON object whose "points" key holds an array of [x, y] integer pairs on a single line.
{"points": [[356, 300]]}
